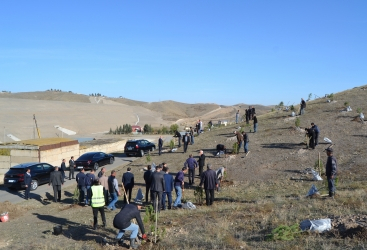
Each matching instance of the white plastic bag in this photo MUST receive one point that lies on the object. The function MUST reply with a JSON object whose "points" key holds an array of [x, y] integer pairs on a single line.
{"points": [[316, 225], [316, 176]]}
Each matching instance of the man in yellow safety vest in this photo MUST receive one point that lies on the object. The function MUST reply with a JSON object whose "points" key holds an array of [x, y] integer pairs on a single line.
{"points": [[97, 202]]}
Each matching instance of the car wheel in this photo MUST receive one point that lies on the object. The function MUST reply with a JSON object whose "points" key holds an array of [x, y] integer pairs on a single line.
{"points": [[34, 184], [112, 160], [153, 148], [96, 166], [141, 153]]}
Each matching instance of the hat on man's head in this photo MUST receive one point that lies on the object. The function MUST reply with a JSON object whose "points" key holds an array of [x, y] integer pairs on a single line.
{"points": [[329, 150]]}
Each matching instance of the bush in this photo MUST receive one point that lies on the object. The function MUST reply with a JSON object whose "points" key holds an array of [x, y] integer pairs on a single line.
{"points": [[359, 110], [173, 128], [284, 232], [199, 195], [148, 128], [331, 97], [297, 122], [5, 151], [235, 148], [292, 108], [346, 104], [172, 144]]}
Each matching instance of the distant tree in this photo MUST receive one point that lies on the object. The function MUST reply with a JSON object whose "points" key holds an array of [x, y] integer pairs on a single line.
{"points": [[147, 129], [309, 96], [120, 130], [111, 132], [173, 128], [292, 107], [164, 130]]}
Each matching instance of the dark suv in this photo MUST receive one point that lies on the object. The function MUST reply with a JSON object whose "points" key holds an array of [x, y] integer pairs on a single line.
{"points": [[138, 147], [40, 172]]}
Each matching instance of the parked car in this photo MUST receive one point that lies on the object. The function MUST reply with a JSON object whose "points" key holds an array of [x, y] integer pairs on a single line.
{"points": [[93, 160], [138, 147], [40, 172]]}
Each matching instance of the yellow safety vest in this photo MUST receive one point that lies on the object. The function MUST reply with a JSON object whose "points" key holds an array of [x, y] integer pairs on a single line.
{"points": [[98, 197]]}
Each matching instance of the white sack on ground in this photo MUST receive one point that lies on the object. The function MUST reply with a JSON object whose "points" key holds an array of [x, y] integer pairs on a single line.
{"points": [[316, 225]]}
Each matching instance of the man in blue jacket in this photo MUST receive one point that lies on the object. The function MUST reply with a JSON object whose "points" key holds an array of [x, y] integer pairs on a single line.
{"points": [[128, 182], [179, 186], [80, 180], [27, 182], [168, 179], [191, 164], [89, 179]]}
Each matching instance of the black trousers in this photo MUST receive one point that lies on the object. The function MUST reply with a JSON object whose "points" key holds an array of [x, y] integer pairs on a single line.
{"points": [[179, 141], [95, 215], [105, 194], [185, 146], [147, 189], [57, 192], [312, 143], [63, 174], [201, 170], [316, 139], [191, 175], [209, 195], [71, 173], [27, 190], [128, 192], [157, 200]]}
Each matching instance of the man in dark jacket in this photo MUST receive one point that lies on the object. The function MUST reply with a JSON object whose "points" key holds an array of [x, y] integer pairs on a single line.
{"points": [[101, 173], [331, 170], [191, 164], [201, 162], [89, 179], [27, 182], [160, 145], [186, 141], [247, 116], [128, 182], [210, 181], [113, 188], [63, 169], [178, 135], [80, 180], [303, 107], [157, 187], [56, 180], [245, 141], [317, 131], [221, 148], [255, 124], [168, 180], [71, 167], [147, 179], [122, 221], [311, 137], [249, 111]]}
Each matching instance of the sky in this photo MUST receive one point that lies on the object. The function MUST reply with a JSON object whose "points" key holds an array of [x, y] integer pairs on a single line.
{"points": [[224, 52]]}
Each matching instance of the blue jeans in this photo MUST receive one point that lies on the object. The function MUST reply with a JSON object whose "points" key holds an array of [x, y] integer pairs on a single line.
{"points": [[86, 195], [331, 184], [113, 201], [169, 195], [179, 195], [239, 146], [246, 147], [255, 127], [134, 231], [82, 193], [192, 139]]}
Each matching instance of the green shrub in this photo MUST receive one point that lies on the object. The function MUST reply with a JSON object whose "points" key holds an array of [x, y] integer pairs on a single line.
{"points": [[359, 110], [199, 195], [292, 108], [173, 128], [284, 232], [148, 158], [297, 122], [235, 148], [331, 96], [346, 104], [5, 151], [172, 144]]}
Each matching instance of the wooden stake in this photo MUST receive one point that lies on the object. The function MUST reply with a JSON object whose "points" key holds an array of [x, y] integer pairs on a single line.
{"points": [[319, 163]]}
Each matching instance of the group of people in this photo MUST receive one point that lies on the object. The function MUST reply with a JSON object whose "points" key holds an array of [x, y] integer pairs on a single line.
{"points": [[242, 138]]}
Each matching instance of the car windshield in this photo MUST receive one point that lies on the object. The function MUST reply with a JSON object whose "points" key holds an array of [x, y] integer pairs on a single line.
{"points": [[85, 157], [131, 143], [16, 170]]}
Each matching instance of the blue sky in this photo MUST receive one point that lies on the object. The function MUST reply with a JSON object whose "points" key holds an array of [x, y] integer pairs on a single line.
{"points": [[225, 52]]}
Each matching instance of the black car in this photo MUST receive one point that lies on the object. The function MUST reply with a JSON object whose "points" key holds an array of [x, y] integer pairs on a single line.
{"points": [[138, 147], [93, 160], [40, 172]]}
